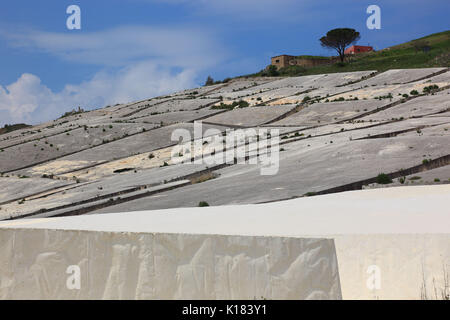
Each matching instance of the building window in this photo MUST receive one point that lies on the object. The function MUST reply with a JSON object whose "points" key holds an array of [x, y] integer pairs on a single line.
{"points": [[277, 61]]}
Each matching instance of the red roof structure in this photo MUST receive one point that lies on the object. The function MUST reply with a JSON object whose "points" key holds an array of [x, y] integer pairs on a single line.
{"points": [[358, 49]]}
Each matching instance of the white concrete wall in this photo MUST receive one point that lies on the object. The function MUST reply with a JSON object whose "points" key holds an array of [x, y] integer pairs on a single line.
{"points": [[120, 265], [403, 264]]}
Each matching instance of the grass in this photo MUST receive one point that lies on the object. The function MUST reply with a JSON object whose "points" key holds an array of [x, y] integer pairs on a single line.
{"points": [[9, 128], [239, 104], [203, 204], [402, 56], [383, 178], [165, 164], [203, 178]]}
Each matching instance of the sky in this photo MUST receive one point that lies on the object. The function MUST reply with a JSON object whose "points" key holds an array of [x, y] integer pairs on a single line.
{"points": [[128, 50]]}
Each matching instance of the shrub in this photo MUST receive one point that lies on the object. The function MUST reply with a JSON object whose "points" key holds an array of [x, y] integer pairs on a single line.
{"points": [[272, 71], [430, 88], [203, 204], [209, 81], [223, 106], [307, 98], [414, 92], [383, 178], [243, 104], [292, 71], [388, 96], [203, 178]]}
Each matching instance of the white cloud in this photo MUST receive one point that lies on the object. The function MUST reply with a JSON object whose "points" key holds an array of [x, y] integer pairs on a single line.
{"points": [[134, 63], [181, 46], [28, 100]]}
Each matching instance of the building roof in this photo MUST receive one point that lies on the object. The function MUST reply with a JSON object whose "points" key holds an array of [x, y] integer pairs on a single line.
{"points": [[283, 55], [355, 46]]}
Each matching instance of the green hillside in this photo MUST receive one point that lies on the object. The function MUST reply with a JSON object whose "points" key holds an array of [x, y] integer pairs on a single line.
{"points": [[426, 52], [13, 127]]}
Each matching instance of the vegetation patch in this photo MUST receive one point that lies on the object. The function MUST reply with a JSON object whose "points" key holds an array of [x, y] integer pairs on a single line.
{"points": [[383, 178], [204, 177], [203, 204]]}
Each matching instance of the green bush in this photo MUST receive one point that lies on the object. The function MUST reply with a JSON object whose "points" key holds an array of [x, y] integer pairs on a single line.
{"points": [[430, 88], [272, 71], [209, 81], [306, 99], [242, 104], [203, 204], [383, 178]]}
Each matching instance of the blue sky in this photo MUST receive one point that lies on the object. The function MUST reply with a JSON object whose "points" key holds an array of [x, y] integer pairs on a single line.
{"points": [[135, 49]]}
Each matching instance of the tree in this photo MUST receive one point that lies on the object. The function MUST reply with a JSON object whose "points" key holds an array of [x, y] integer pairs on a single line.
{"points": [[421, 45], [209, 81], [272, 71], [339, 39]]}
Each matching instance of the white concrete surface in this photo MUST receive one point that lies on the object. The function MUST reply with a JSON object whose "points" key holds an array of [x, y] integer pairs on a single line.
{"points": [[399, 237]]}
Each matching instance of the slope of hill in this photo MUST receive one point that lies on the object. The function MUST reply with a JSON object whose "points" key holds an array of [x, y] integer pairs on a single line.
{"points": [[337, 132], [9, 128], [402, 56]]}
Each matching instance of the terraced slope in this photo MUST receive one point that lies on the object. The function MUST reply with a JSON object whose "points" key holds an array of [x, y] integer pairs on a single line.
{"points": [[338, 132]]}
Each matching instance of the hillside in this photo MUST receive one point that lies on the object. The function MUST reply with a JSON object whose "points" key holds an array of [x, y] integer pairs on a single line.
{"points": [[401, 56], [9, 128], [337, 132]]}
